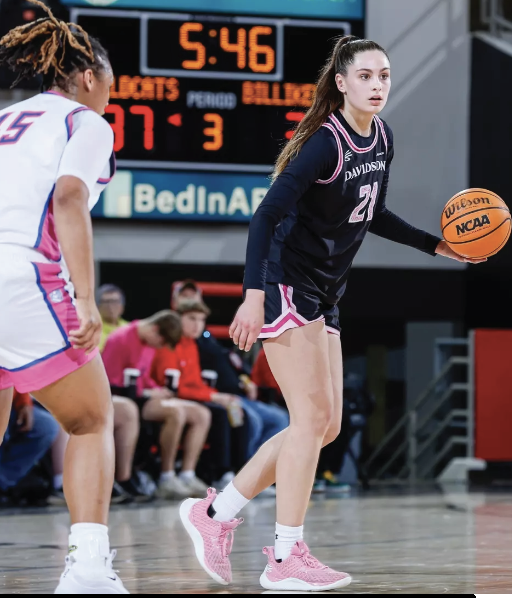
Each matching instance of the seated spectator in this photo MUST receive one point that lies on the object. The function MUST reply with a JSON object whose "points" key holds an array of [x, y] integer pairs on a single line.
{"points": [[126, 436], [265, 421], [185, 358], [264, 379], [30, 434], [135, 346], [111, 303]]}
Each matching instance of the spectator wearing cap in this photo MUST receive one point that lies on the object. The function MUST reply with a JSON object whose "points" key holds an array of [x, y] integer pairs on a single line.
{"points": [[134, 347], [111, 304], [265, 421], [30, 434], [185, 291]]}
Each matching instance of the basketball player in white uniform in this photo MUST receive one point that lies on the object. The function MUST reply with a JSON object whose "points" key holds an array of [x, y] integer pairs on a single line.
{"points": [[56, 156]]}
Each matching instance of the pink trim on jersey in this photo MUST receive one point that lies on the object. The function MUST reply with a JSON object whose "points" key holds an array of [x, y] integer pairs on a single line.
{"points": [[290, 318], [69, 119], [56, 93], [383, 131], [48, 245], [340, 156], [51, 370], [352, 145]]}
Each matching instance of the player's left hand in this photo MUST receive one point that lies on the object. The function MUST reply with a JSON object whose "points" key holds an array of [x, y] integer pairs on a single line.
{"points": [[88, 336], [444, 249], [25, 419]]}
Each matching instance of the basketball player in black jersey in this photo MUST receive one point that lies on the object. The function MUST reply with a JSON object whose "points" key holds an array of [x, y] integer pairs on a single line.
{"points": [[329, 190]]}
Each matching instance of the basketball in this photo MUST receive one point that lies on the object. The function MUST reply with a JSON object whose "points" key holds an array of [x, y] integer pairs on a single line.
{"points": [[476, 223]]}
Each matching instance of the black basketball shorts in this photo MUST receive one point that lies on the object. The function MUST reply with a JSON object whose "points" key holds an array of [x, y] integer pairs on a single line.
{"points": [[286, 308]]}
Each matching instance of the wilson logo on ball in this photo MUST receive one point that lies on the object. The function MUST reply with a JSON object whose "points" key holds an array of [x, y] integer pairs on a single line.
{"points": [[471, 225], [465, 203]]}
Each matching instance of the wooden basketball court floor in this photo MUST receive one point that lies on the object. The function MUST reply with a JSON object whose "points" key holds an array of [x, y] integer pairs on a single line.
{"points": [[410, 544]]}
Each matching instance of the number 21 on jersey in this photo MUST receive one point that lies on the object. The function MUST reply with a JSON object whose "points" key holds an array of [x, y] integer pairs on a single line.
{"points": [[367, 192]]}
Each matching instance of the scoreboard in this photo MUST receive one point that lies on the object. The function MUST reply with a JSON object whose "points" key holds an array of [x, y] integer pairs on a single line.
{"points": [[210, 92]]}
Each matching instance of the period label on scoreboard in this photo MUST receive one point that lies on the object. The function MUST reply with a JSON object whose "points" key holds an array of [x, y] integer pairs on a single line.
{"points": [[208, 92], [192, 196]]}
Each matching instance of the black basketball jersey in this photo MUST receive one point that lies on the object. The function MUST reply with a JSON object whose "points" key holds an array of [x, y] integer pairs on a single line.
{"points": [[309, 227]]}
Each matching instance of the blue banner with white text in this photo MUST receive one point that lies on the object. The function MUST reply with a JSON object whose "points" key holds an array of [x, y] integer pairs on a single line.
{"points": [[175, 196]]}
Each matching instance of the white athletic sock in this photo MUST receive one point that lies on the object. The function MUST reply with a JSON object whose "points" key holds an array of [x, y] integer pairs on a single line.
{"points": [[88, 541], [286, 538], [58, 481], [187, 476], [166, 476], [228, 504]]}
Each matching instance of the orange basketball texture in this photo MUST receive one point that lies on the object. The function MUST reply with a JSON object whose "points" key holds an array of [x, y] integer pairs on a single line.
{"points": [[476, 223]]}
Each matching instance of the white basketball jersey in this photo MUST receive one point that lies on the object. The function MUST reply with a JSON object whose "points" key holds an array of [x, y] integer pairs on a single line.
{"points": [[42, 139]]}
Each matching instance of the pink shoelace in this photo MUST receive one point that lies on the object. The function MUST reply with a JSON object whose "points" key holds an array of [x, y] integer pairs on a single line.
{"points": [[226, 539]]}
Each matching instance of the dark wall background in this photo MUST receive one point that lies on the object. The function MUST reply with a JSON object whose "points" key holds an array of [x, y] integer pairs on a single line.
{"points": [[489, 286]]}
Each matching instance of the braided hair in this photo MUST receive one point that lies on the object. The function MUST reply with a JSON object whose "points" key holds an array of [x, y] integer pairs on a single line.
{"points": [[51, 48]]}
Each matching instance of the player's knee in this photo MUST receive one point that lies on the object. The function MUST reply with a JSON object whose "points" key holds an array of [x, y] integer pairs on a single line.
{"points": [[92, 420], [316, 424], [333, 431]]}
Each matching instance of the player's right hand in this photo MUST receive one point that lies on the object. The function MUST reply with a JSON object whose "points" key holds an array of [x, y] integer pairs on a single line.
{"points": [[249, 320], [88, 336]]}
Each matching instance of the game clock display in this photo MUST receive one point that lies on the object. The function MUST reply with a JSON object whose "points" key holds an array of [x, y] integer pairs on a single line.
{"points": [[212, 92]]}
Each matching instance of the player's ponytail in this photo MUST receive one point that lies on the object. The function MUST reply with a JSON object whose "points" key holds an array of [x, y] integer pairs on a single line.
{"points": [[51, 48], [327, 98]]}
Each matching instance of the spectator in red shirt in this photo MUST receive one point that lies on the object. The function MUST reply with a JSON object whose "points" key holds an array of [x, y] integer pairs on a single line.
{"points": [[30, 433], [263, 377], [134, 346]]}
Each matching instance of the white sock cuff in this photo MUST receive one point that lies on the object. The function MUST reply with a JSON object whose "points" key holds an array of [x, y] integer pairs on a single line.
{"points": [[89, 528], [89, 540], [233, 498], [285, 532]]}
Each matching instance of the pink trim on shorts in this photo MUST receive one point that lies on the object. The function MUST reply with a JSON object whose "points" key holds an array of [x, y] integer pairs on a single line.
{"points": [[333, 331], [290, 318], [55, 366], [51, 370]]}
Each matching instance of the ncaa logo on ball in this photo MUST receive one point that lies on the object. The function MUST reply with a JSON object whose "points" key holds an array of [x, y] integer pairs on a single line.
{"points": [[471, 225]]}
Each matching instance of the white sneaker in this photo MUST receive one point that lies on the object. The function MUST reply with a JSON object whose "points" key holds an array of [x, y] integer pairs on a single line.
{"points": [[173, 489], [196, 487], [94, 577]]}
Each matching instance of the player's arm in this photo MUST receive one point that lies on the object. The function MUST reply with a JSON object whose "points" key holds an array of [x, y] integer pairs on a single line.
{"points": [[317, 159], [81, 166]]}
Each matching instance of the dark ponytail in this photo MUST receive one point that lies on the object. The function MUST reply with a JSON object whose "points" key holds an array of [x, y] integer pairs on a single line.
{"points": [[51, 48], [327, 98]]}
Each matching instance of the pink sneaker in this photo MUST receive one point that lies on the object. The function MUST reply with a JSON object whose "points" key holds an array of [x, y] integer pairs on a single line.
{"points": [[213, 540], [302, 572]]}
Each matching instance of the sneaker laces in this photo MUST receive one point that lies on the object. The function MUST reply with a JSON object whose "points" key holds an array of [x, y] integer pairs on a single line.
{"points": [[109, 562], [310, 561], [226, 539]]}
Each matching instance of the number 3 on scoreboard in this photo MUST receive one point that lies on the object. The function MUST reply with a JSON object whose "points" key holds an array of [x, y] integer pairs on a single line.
{"points": [[216, 132]]}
